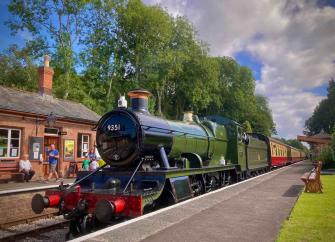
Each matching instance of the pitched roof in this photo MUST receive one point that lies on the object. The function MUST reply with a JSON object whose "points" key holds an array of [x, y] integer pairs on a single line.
{"points": [[34, 103]]}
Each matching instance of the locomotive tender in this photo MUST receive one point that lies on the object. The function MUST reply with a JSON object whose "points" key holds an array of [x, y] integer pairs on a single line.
{"points": [[152, 162]]}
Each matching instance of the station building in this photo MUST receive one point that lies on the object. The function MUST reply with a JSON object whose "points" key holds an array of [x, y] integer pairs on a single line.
{"points": [[30, 122]]}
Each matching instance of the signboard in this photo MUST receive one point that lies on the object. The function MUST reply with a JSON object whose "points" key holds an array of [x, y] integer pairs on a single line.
{"points": [[35, 148], [69, 149], [62, 133]]}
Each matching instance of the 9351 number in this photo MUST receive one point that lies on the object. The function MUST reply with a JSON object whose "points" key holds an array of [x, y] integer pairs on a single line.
{"points": [[114, 127]]}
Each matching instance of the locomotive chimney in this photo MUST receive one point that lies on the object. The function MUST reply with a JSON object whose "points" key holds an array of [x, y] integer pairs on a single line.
{"points": [[139, 100]]}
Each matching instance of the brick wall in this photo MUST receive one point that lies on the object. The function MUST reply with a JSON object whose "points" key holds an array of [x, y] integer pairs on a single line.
{"points": [[45, 75], [16, 207], [29, 128]]}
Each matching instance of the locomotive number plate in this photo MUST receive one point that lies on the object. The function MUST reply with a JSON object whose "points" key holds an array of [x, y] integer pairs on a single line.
{"points": [[114, 127]]}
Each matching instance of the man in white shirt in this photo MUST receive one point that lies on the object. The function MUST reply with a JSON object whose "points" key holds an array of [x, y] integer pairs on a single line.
{"points": [[26, 168]]}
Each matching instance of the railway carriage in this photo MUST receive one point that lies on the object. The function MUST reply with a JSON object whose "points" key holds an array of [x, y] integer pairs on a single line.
{"points": [[295, 154], [152, 162], [280, 153]]}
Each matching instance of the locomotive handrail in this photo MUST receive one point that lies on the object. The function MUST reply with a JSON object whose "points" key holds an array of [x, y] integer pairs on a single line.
{"points": [[132, 176], [68, 189], [147, 127]]}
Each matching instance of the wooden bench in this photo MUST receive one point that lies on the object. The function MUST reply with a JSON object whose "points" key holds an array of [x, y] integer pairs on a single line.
{"points": [[312, 179], [9, 171]]}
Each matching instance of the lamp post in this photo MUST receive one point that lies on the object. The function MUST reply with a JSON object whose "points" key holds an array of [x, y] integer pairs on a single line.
{"points": [[51, 119]]}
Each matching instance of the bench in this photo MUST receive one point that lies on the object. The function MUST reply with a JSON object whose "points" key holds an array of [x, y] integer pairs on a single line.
{"points": [[9, 171], [312, 179]]}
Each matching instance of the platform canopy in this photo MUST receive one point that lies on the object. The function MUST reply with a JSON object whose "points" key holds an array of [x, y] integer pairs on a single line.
{"points": [[317, 142], [320, 138]]}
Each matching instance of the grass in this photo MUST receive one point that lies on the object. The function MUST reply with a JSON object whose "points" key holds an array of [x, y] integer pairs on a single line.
{"points": [[313, 217]]}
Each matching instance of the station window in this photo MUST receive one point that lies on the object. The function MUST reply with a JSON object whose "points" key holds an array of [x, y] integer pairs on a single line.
{"points": [[83, 145], [10, 143]]}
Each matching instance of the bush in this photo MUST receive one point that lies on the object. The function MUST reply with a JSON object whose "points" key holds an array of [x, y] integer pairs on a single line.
{"points": [[327, 158]]}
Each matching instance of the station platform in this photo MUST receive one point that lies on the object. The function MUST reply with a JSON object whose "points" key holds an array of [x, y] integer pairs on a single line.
{"points": [[16, 187], [15, 201], [252, 210]]}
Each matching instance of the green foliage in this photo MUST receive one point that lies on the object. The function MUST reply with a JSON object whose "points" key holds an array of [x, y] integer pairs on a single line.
{"points": [[323, 117], [126, 45], [62, 21], [327, 154], [17, 68], [327, 157], [247, 127]]}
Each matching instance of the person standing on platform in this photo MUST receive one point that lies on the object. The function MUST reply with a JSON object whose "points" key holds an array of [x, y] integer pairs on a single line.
{"points": [[53, 156], [91, 155], [26, 168], [86, 163]]}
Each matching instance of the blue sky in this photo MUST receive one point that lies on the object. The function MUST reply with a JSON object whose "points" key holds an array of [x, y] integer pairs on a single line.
{"points": [[244, 58], [289, 45], [5, 37]]}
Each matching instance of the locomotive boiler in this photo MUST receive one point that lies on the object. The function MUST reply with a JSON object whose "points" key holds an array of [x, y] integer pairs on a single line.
{"points": [[126, 136], [152, 162]]}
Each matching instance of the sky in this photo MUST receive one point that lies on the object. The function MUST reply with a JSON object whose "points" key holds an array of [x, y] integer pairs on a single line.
{"points": [[289, 45]]}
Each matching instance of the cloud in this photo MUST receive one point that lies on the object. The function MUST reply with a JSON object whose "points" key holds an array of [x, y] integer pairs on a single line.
{"points": [[291, 111], [293, 40]]}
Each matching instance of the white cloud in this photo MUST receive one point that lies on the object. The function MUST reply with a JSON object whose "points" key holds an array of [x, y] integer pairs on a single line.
{"points": [[292, 110], [294, 40]]}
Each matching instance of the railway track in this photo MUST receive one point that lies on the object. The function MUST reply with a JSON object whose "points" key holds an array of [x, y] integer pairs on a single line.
{"points": [[27, 220], [35, 231]]}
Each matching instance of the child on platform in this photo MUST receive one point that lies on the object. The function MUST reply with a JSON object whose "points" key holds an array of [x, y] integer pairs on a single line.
{"points": [[86, 163]]}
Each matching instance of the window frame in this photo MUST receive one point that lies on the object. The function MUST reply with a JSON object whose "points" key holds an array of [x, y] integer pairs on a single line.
{"points": [[9, 138], [81, 143]]}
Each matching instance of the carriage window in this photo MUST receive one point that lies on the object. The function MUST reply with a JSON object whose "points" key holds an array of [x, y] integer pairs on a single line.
{"points": [[10, 142]]}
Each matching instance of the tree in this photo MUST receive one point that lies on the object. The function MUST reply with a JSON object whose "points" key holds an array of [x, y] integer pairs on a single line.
{"points": [[126, 45], [247, 127], [17, 68], [261, 118], [323, 117], [58, 24], [102, 57]]}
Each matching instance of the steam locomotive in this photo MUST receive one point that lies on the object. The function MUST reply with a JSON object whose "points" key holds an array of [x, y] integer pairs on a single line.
{"points": [[152, 162]]}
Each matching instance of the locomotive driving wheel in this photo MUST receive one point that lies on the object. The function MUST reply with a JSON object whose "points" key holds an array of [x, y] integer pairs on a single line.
{"points": [[212, 182], [197, 185], [226, 178]]}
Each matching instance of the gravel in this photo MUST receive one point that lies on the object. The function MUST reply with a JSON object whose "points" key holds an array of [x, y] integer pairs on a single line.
{"points": [[52, 234]]}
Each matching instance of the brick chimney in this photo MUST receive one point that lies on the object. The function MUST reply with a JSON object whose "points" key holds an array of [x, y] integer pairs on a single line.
{"points": [[45, 75]]}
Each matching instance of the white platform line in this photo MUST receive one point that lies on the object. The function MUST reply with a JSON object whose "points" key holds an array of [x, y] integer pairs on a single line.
{"points": [[114, 227], [21, 190]]}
